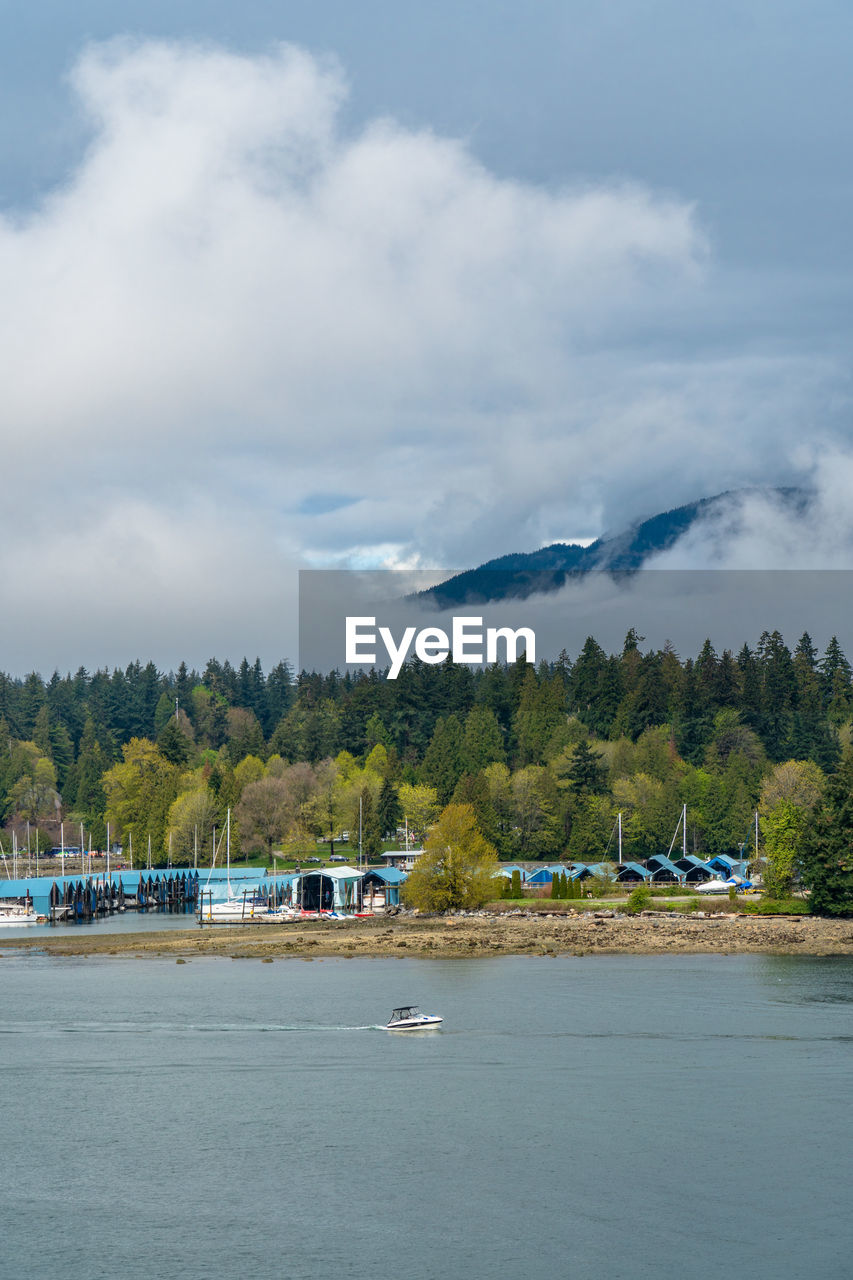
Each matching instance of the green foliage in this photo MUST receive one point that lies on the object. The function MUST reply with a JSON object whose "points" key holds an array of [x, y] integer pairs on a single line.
{"points": [[389, 813], [516, 888], [482, 743], [442, 764], [457, 867], [639, 899], [827, 847], [139, 792], [514, 742], [173, 744]]}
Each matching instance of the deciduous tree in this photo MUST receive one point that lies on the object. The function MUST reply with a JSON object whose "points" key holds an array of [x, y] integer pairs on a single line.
{"points": [[457, 867]]}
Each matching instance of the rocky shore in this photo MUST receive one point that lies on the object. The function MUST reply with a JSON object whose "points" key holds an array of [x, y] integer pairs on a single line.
{"points": [[474, 934]]}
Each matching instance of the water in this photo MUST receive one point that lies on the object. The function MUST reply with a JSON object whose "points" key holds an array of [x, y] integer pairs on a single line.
{"points": [[666, 1117]]}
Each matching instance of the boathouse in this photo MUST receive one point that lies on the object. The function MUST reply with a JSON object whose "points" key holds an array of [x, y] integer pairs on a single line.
{"points": [[663, 870], [380, 889], [332, 889], [695, 870], [586, 870], [633, 873], [545, 875], [506, 869], [724, 865]]}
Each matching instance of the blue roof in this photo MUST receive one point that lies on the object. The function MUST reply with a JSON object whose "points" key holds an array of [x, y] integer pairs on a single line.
{"points": [[693, 860], [663, 863], [543, 874], [391, 875], [726, 860], [634, 866]]}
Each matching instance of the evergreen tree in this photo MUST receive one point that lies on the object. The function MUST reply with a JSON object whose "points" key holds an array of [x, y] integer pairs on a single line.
{"points": [[541, 710], [279, 694], [750, 686], [389, 812], [827, 847], [586, 772], [172, 743], [442, 766], [776, 665], [371, 831], [482, 741]]}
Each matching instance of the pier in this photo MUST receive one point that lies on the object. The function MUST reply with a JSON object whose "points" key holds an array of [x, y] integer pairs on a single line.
{"points": [[77, 898]]}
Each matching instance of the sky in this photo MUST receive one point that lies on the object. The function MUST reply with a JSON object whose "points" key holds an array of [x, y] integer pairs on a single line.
{"points": [[382, 285]]}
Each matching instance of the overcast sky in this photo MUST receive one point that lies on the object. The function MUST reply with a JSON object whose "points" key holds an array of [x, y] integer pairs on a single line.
{"points": [[391, 285]]}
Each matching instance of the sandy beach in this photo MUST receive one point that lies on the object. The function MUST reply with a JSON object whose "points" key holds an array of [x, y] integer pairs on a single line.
{"points": [[470, 935]]}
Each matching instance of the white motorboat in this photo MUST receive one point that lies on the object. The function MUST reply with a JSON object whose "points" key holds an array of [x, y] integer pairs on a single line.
{"points": [[16, 913], [409, 1018], [720, 886]]}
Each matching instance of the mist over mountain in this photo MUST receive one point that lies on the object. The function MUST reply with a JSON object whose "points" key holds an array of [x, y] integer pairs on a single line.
{"points": [[522, 574]]}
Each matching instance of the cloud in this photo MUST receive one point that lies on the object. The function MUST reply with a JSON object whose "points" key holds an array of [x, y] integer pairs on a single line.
{"points": [[234, 312], [808, 529]]}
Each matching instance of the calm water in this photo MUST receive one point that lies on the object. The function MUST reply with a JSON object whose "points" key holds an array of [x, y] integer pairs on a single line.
{"points": [[583, 1117]]}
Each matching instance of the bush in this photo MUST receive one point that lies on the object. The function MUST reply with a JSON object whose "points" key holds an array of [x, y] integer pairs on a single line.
{"points": [[639, 899], [774, 906]]}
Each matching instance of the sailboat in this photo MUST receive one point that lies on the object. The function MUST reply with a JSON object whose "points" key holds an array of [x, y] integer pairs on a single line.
{"points": [[237, 907]]}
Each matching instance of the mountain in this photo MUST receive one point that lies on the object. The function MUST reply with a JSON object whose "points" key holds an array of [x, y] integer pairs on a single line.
{"points": [[522, 574]]}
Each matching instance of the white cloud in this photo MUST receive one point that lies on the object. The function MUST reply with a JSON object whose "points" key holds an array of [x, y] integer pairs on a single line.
{"points": [[232, 304], [812, 530]]}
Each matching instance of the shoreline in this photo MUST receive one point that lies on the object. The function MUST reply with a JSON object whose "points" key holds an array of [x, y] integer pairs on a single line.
{"points": [[457, 936]]}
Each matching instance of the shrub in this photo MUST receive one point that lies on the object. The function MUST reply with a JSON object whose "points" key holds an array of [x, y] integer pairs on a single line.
{"points": [[639, 899]]}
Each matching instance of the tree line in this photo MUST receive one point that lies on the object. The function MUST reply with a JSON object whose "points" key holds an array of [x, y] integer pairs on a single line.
{"points": [[546, 756]]}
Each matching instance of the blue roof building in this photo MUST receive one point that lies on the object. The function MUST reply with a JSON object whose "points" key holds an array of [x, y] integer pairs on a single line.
{"points": [[695, 870], [723, 864], [633, 873], [663, 870], [544, 875]]}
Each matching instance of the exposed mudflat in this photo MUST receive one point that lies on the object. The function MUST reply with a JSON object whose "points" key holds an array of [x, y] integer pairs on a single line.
{"points": [[471, 935]]}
